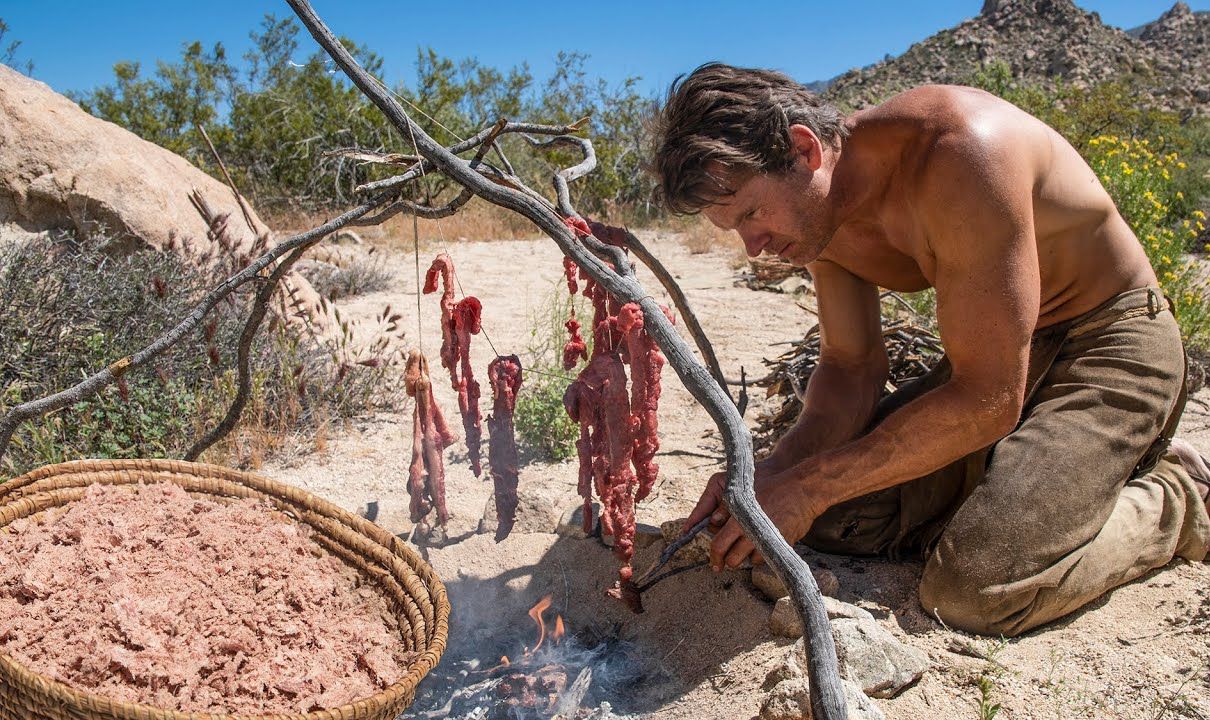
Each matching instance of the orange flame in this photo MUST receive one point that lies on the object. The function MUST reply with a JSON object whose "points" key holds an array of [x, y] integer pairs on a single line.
{"points": [[558, 633], [535, 612], [504, 661]]}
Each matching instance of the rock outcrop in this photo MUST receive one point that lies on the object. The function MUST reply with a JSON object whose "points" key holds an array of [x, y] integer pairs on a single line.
{"points": [[1047, 39], [63, 169]]}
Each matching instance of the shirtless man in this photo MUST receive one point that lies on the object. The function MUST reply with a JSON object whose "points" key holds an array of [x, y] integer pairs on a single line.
{"points": [[1026, 468]]}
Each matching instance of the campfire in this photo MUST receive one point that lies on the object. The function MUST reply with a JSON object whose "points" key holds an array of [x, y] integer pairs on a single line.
{"points": [[553, 676]]}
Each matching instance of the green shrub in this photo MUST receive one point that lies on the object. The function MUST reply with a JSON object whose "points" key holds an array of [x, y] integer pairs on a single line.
{"points": [[1141, 182], [543, 425], [541, 420], [68, 309]]}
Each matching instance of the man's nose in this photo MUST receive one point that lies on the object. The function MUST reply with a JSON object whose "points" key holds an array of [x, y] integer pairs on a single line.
{"points": [[754, 243]]}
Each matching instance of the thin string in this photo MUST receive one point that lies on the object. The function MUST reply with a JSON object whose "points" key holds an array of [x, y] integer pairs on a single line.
{"points": [[440, 228], [419, 288]]}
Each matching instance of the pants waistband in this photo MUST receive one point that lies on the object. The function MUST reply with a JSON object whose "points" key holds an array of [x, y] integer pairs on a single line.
{"points": [[1149, 301]]}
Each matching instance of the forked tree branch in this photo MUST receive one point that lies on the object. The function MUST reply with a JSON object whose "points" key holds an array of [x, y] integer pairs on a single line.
{"points": [[827, 697]]}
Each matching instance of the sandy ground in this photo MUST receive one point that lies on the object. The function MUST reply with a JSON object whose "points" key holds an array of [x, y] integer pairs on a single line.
{"points": [[703, 645]]}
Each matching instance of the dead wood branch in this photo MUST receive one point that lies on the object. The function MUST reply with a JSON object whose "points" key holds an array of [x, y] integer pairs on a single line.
{"points": [[827, 698]]}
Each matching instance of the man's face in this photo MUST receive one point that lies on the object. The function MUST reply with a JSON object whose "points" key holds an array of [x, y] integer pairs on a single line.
{"points": [[784, 214]]}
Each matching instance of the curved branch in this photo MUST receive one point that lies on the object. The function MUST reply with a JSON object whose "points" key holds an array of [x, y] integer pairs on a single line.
{"points": [[92, 384], [827, 697], [682, 305], [243, 356]]}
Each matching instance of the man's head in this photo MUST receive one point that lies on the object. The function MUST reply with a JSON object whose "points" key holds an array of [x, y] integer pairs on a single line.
{"points": [[745, 148]]}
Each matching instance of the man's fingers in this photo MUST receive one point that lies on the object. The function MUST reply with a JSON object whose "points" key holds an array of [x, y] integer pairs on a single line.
{"points": [[709, 503], [739, 553], [724, 539]]}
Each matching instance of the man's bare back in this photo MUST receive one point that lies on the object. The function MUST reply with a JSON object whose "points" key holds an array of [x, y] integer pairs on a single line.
{"points": [[1086, 252]]}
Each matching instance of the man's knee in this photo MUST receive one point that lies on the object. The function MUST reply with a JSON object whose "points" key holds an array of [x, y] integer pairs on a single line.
{"points": [[964, 592]]}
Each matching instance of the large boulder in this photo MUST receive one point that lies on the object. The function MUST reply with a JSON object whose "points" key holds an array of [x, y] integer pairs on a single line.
{"points": [[62, 168]]}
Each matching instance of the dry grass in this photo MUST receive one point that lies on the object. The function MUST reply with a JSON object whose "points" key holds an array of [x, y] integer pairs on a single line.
{"points": [[699, 236], [479, 220]]}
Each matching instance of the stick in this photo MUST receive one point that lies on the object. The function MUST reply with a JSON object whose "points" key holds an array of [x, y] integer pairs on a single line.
{"points": [[827, 696]]}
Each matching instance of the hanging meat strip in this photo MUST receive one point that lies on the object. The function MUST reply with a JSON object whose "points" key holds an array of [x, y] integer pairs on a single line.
{"points": [[430, 437], [575, 350], [646, 364], [458, 322], [599, 402], [504, 374]]}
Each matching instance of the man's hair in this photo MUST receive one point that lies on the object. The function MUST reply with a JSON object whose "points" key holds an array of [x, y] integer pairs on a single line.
{"points": [[737, 120]]}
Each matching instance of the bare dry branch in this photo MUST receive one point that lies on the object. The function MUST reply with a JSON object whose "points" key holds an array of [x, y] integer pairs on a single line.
{"points": [[827, 698]]}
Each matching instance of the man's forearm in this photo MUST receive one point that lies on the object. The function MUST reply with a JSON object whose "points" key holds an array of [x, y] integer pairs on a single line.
{"points": [[923, 436], [837, 405]]}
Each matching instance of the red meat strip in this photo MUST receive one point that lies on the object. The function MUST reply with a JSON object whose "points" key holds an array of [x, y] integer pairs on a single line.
{"points": [[598, 400], [569, 269], [646, 365], [504, 374], [465, 322], [430, 437], [575, 349], [458, 322]]}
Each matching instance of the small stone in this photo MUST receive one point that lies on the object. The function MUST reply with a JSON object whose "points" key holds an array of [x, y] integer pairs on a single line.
{"points": [[646, 535], [874, 659], [791, 700], [698, 549], [784, 620], [772, 587], [571, 524]]}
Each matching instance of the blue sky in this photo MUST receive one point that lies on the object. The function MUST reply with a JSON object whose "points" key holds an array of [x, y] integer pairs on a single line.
{"points": [[74, 43]]}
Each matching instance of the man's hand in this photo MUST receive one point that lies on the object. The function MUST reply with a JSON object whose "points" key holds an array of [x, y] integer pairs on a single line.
{"points": [[786, 497]]}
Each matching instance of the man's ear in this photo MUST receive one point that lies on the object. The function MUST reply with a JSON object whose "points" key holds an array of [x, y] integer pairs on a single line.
{"points": [[806, 143]]}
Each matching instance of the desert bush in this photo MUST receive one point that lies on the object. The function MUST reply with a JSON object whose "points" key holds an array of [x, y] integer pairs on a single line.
{"points": [[361, 273], [68, 309], [1141, 182], [543, 426]]}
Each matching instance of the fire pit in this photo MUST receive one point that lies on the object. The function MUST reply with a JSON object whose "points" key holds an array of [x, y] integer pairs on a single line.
{"points": [[559, 677], [414, 595]]}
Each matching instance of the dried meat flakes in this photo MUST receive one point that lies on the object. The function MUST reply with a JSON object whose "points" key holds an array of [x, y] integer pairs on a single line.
{"points": [[146, 594]]}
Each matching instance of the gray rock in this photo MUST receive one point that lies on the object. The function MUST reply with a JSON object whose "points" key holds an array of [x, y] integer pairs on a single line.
{"points": [[571, 524], [791, 700], [697, 550], [772, 587], [872, 657], [535, 513], [784, 620]]}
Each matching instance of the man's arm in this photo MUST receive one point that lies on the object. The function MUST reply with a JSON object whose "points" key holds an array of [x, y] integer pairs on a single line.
{"points": [[977, 209], [844, 388]]}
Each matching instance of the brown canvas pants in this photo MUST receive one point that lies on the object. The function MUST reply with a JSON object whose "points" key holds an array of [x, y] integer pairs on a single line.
{"points": [[1077, 500]]}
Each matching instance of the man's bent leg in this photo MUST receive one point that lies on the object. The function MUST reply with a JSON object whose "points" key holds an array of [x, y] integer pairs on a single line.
{"points": [[1056, 522]]}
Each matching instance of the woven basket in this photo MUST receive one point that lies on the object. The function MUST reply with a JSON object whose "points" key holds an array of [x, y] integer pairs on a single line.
{"points": [[412, 588]]}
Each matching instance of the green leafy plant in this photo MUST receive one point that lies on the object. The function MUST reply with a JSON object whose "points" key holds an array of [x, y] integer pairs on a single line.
{"points": [[542, 423]]}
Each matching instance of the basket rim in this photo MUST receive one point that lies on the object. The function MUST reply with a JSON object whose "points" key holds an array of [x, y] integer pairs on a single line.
{"points": [[387, 697]]}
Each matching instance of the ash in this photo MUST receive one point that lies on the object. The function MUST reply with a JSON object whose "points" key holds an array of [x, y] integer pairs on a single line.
{"points": [[564, 680]]}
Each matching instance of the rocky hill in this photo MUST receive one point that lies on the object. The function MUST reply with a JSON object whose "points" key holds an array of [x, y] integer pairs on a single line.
{"points": [[1168, 59]]}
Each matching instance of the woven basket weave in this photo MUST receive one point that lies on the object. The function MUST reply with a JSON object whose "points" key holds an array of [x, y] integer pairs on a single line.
{"points": [[412, 589]]}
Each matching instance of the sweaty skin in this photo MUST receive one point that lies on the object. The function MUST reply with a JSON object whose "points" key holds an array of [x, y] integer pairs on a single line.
{"points": [[945, 187]]}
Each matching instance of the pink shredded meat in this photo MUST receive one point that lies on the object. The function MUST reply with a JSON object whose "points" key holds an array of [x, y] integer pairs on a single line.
{"points": [[504, 373], [145, 594]]}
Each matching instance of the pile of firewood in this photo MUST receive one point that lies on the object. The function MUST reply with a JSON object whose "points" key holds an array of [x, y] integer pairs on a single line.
{"points": [[912, 350]]}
